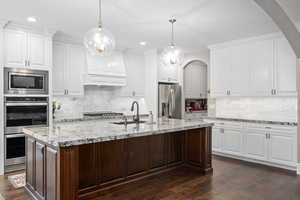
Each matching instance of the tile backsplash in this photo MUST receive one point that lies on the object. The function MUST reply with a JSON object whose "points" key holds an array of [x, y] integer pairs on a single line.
{"points": [[97, 99], [258, 108]]}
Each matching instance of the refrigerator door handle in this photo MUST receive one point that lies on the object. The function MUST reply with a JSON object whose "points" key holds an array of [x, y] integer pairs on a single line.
{"points": [[171, 103]]}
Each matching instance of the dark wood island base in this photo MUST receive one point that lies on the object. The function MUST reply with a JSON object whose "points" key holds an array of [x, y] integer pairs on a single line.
{"points": [[87, 171]]}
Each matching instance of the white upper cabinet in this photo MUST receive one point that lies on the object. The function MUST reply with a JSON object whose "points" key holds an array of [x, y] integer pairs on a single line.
{"points": [[26, 49], [58, 70], [285, 70], [68, 66], [264, 66], [15, 48], [167, 73], [74, 69], [195, 80], [220, 71], [261, 60]]}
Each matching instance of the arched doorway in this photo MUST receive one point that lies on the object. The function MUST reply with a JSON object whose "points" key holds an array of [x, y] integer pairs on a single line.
{"points": [[195, 86]]}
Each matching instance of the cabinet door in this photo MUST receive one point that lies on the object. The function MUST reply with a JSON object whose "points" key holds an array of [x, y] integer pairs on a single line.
{"points": [[285, 68], [158, 150], [261, 67], [240, 70], [36, 51], [30, 162], [51, 174], [15, 52], [167, 73], [282, 148], [202, 81], [59, 66], [220, 71], [255, 144], [175, 143], [232, 141], [74, 70], [138, 153], [40, 169], [112, 169], [216, 138], [87, 166]]}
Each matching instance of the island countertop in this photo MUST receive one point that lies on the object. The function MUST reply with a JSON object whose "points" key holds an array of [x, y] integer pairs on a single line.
{"points": [[92, 131]]}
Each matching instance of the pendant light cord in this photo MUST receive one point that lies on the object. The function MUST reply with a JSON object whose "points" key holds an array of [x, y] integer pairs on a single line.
{"points": [[100, 16], [172, 21]]}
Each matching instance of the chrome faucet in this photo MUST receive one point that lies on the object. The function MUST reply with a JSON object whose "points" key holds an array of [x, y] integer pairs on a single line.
{"points": [[136, 118]]}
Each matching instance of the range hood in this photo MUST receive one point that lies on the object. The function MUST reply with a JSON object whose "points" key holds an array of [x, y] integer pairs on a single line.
{"points": [[105, 70]]}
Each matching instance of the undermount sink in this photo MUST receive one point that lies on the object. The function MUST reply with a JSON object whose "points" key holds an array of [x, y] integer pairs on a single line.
{"points": [[129, 122]]}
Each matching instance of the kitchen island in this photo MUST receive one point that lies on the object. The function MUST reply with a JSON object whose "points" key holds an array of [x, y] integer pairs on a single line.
{"points": [[82, 159]]}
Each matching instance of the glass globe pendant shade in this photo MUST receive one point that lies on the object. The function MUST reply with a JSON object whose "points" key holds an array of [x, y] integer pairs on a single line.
{"points": [[172, 56], [99, 41]]}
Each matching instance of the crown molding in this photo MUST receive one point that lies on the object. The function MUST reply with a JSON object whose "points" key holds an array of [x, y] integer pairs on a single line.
{"points": [[35, 29], [298, 169], [245, 40]]}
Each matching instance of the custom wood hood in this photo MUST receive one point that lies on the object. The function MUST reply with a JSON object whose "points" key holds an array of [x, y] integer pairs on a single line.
{"points": [[105, 70]]}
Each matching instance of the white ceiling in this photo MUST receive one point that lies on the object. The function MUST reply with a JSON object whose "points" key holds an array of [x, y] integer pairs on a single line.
{"points": [[200, 22]]}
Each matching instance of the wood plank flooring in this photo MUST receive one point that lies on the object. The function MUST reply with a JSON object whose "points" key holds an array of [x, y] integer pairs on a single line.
{"points": [[232, 180]]}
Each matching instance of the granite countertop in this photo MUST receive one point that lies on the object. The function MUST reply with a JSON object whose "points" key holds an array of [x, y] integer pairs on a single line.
{"points": [[253, 121], [91, 131]]}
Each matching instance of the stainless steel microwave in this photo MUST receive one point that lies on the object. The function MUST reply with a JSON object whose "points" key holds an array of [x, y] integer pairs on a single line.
{"points": [[25, 81]]}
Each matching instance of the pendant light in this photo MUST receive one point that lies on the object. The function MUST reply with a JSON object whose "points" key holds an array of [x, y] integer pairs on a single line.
{"points": [[172, 55], [99, 41]]}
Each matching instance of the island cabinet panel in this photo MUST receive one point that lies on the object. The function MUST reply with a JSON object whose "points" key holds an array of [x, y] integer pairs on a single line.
{"points": [[51, 174], [175, 148], [112, 161], [40, 169], [69, 173], [158, 150], [198, 149], [137, 155], [30, 163], [85, 171], [87, 166]]}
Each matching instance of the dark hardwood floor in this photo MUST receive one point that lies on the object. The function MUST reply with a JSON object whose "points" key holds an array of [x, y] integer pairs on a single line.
{"points": [[232, 180]]}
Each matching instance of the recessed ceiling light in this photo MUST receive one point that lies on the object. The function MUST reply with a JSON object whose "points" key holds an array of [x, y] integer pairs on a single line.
{"points": [[31, 19], [143, 43]]}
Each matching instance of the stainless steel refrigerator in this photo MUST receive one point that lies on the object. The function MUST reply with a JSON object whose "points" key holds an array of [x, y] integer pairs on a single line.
{"points": [[169, 100]]}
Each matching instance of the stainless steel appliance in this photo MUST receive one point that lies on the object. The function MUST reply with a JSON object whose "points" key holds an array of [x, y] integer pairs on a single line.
{"points": [[20, 112], [169, 100], [25, 81]]}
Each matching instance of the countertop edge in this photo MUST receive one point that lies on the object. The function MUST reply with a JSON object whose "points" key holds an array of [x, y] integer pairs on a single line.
{"points": [[77, 142]]}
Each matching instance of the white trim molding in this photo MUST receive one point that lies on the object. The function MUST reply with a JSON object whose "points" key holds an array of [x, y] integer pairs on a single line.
{"points": [[298, 169]]}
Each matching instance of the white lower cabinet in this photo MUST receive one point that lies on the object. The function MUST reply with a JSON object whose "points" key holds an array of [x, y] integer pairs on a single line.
{"points": [[255, 144], [272, 145], [282, 148], [216, 138], [232, 141]]}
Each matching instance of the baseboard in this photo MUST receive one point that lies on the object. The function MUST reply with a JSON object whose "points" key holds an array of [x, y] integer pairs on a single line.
{"points": [[298, 169], [291, 168]]}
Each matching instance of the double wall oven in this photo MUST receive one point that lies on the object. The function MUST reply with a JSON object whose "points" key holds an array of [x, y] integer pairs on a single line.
{"points": [[25, 105]]}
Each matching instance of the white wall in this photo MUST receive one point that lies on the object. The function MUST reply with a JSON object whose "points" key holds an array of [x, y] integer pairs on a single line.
{"points": [[116, 99], [258, 108]]}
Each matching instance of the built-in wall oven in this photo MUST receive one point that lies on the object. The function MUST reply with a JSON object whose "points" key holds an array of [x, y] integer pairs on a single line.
{"points": [[25, 81], [21, 112]]}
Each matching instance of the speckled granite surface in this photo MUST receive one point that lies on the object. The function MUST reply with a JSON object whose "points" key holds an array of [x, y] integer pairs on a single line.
{"points": [[253, 121], [92, 131]]}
